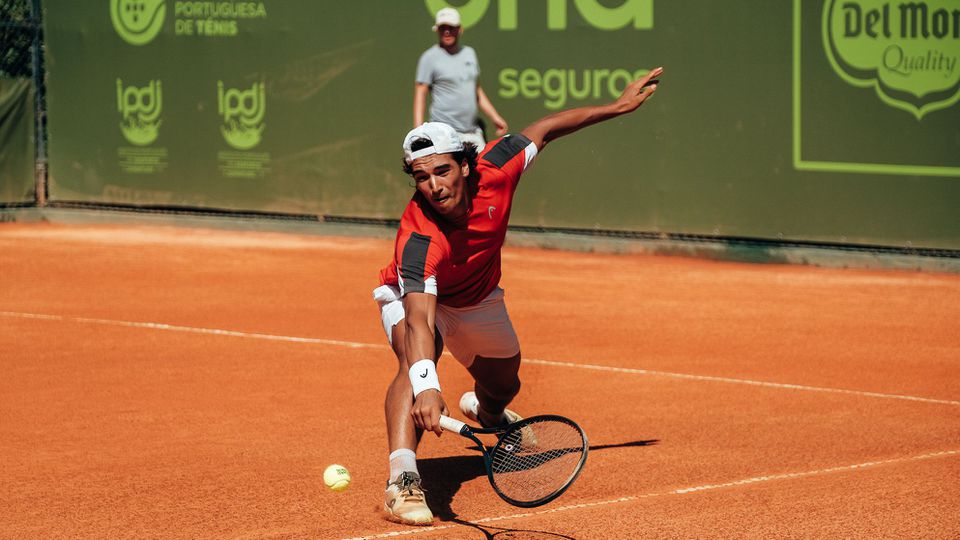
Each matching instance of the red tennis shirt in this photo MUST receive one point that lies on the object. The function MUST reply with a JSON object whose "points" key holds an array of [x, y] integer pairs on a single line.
{"points": [[461, 264]]}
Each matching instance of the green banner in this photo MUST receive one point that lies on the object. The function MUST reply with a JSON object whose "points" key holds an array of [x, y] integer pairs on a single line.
{"points": [[16, 141], [812, 120]]}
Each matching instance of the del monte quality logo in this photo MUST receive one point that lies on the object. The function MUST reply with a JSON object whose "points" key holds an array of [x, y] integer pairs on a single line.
{"points": [[137, 21], [907, 51]]}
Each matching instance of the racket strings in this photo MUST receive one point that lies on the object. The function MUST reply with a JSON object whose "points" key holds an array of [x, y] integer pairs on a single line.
{"points": [[537, 460]]}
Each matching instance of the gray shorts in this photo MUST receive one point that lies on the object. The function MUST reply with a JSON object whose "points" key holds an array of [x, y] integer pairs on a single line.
{"points": [[474, 137]]}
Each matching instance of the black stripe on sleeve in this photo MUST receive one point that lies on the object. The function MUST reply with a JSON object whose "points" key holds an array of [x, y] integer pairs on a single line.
{"points": [[506, 149], [413, 263]]}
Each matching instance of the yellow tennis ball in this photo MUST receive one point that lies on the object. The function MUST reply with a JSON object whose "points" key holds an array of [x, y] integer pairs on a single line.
{"points": [[336, 477]]}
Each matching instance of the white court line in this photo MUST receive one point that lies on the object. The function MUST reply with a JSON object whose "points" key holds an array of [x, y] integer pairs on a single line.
{"points": [[739, 381], [359, 345], [682, 491], [194, 330], [176, 236]]}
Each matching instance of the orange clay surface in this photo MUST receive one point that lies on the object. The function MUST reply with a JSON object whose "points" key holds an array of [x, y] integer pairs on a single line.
{"points": [[175, 383]]}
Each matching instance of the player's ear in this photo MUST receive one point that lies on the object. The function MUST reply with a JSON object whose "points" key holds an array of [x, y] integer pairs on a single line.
{"points": [[465, 168]]}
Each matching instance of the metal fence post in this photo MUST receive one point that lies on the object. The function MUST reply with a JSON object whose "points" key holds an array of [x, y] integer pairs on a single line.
{"points": [[40, 139]]}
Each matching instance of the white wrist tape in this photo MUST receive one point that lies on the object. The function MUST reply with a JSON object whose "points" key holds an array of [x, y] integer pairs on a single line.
{"points": [[423, 376]]}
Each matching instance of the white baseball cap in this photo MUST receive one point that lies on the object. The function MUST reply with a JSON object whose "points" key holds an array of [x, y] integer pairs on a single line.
{"points": [[447, 16], [444, 138]]}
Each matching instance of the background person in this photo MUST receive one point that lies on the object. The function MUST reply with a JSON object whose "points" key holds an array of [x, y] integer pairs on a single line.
{"points": [[450, 73], [442, 287]]}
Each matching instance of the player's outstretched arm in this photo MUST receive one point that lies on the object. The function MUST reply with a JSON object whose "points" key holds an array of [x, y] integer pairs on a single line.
{"points": [[420, 311], [566, 122]]}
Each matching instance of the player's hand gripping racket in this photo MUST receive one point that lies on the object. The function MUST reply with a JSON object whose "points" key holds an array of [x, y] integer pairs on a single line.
{"points": [[533, 461]]}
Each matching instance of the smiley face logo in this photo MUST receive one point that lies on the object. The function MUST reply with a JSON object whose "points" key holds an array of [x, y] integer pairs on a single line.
{"points": [[137, 21]]}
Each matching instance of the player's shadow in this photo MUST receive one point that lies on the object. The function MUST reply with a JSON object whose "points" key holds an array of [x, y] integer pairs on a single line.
{"points": [[513, 534], [443, 477]]}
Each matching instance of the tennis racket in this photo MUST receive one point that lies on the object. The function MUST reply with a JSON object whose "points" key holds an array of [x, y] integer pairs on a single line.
{"points": [[533, 461]]}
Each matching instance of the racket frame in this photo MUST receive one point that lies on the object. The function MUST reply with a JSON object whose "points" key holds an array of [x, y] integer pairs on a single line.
{"points": [[471, 432]]}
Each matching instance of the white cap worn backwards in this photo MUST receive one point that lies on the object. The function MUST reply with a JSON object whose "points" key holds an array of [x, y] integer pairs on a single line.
{"points": [[445, 140], [447, 16]]}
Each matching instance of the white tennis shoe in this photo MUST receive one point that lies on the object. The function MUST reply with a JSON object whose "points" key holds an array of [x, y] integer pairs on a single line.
{"points": [[405, 502], [469, 405]]}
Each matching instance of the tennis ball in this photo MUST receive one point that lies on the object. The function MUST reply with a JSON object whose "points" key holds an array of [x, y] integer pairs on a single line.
{"points": [[336, 477]]}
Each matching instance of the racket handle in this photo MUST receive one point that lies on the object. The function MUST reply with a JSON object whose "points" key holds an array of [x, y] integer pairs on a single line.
{"points": [[451, 424]]}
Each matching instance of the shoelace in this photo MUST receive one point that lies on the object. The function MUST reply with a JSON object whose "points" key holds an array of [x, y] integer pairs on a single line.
{"points": [[406, 482]]}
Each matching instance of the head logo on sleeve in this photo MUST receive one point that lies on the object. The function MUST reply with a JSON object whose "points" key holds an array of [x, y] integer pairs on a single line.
{"points": [[137, 21], [907, 51]]}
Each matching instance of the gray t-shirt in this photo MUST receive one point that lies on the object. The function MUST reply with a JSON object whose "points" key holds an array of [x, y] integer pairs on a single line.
{"points": [[453, 85]]}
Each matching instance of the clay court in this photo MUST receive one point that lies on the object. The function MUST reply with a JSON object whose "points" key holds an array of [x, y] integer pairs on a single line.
{"points": [[185, 383]]}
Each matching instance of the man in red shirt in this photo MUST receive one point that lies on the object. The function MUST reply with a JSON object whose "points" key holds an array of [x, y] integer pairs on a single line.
{"points": [[442, 288]]}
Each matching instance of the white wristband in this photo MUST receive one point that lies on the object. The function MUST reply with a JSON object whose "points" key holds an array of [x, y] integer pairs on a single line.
{"points": [[423, 376]]}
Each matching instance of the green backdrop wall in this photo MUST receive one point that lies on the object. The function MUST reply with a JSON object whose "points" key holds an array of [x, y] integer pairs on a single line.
{"points": [[16, 141], [778, 119]]}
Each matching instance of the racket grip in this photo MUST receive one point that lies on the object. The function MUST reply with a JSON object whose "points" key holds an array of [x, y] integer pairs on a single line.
{"points": [[451, 424]]}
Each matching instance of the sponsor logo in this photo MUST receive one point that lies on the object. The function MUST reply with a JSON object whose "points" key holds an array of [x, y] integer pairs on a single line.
{"points": [[137, 21], [220, 18], [140, 110], [558, 87], [907, 51], [490, 210], [243, 113], [636, 14]]}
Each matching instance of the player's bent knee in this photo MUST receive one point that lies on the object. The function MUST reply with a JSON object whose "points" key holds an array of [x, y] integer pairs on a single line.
{"points": [[502, 388], [505, 392], [497, 378]]}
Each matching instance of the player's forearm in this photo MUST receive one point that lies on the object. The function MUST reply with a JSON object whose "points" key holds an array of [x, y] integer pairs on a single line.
{"points": [[419, 342], [421, 362], [566, 122]]}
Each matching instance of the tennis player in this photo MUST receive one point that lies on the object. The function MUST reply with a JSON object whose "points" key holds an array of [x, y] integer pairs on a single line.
{"points": [[442, 287]]}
